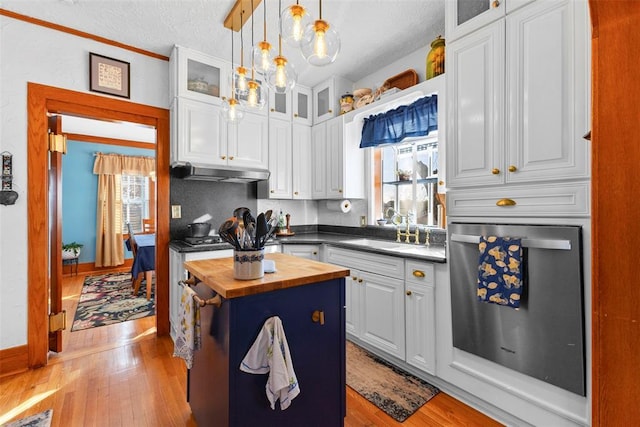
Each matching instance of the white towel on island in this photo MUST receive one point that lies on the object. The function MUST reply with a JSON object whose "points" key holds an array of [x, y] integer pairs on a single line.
{"points": [[270, 354], [188, 337]]}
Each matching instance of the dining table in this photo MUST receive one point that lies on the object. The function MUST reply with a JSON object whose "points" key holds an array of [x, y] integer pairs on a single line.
{"points": [[144, 261]]}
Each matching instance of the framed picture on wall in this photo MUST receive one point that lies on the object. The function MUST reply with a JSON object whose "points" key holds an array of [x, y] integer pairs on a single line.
{"points": [[108, 75]]}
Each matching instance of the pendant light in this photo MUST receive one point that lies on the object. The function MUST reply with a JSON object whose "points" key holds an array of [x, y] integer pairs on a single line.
{"points": [[321, 44], [256, 98], [239, 74], [293, 23], [231, 111], [283, 77], [262, 53]]}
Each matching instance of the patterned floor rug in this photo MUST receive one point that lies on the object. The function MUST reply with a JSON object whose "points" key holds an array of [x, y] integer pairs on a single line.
{"points": [[43, 419], [396, 392], [107, 299]]}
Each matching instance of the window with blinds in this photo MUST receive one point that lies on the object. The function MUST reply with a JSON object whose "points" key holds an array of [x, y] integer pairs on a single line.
{"points": [[135, 202]]}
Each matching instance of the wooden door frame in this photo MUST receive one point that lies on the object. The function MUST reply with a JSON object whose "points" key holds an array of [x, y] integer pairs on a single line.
{"points": [[41, 101]]}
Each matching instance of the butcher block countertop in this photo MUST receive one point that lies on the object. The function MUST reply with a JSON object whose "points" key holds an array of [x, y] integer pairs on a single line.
{"points": [[291, 271]]}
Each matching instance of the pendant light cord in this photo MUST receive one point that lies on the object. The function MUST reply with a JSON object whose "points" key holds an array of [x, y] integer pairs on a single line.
{"points": [[264, 17], [280, 29], [320, 1], [252, 62], [241, 39]]}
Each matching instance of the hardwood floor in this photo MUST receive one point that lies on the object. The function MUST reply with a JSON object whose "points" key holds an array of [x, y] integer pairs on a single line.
{"points": [[123, 375]]}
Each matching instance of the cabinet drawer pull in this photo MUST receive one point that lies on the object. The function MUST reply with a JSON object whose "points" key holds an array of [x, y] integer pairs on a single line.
{"points": [[506, 202], [318, 317], [495, 171], [418, 273], [408, 293], [495, 4], [512, 168]]}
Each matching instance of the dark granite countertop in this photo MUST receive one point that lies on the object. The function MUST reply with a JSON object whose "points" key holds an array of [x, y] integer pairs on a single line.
{"points": [[432, 253]]}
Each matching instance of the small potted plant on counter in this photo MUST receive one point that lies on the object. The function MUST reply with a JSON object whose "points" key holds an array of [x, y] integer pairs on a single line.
{"points": [[71, 250]]}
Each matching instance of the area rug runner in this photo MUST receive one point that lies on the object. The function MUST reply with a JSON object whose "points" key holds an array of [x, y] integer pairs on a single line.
{"points": [[43, 419], [396, 392], [108, 298]]}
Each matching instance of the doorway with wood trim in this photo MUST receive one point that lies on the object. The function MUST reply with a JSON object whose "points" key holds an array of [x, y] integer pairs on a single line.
{"points": [[44, 101]]}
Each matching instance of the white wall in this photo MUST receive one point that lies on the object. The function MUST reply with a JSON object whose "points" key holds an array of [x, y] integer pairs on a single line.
{"points": [[30, 53]]}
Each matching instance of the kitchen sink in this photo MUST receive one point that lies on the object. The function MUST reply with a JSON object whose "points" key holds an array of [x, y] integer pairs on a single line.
{"points": [[376, 244]]}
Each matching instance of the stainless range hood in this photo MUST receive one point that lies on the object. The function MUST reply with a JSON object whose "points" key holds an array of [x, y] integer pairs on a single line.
{"points": [[218, 174]]}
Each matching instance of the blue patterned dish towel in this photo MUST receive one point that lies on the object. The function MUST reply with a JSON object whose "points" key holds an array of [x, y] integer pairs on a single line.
{"points": [[499, 270]]}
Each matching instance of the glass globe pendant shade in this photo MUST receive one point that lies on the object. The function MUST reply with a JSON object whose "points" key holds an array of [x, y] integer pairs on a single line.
{"points": [[262, 55], [256, 97], [282, 78], [321, 44], [239, 81], [231, 111], [293, 23]]}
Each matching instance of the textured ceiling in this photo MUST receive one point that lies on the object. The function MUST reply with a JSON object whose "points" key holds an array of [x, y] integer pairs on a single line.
{"points": [[374, 33]]}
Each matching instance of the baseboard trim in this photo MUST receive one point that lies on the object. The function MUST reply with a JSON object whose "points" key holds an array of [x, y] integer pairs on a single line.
{"points": [[90, 268], [14, 360]]}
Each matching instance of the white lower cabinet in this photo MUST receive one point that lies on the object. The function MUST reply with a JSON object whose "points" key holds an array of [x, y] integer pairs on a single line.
{"points": [[420, 315], [390, 304], [302, 251], [177, 272]]}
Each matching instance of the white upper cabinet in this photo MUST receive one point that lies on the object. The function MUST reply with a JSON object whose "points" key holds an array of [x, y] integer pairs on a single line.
{"points": [[465, 16], [326, 98], [199, 135], [280, 160], [248, 142], [302, 99], [475, 88], [301, 162], [519, 104], [198, 76], [319, 166], [280, 105], [547, 92]]}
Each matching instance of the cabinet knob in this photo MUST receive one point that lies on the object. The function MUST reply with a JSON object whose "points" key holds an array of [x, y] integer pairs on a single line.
{"points": [[506, 202], [495, 171], [359, 280], [512, 168], [273, 191], [230, 157], [318, 317], [354, 278], [330, 111], [495, 4], [408, 293], [440, 182], [315, 252], [224, 98], [418, 273], [295, 114], [340, 190], [223, 157], [272, 110], [295, 193]]}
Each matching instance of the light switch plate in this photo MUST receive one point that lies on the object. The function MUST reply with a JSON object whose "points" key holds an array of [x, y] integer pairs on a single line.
{"points": [[176, 211]]}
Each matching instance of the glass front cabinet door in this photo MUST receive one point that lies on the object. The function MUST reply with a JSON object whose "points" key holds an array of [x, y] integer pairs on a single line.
{"points": [[302, 105], [198, 76]]}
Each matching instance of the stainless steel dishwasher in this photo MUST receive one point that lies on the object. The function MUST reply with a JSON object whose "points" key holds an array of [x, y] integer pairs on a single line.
{"points": [[544, 338]]}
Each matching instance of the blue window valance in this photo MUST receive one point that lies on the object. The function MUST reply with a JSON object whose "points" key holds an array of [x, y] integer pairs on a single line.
{"points": [[416, 119]]}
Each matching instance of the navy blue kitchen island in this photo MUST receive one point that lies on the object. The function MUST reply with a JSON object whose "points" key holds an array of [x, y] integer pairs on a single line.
{"points": [[309, 298]]}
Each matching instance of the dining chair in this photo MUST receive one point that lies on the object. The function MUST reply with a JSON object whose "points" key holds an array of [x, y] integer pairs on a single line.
{"points": [[148, 225], [133, 246]]}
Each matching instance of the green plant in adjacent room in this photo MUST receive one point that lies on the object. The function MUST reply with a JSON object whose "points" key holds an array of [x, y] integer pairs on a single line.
{"points": [[73, 247]]}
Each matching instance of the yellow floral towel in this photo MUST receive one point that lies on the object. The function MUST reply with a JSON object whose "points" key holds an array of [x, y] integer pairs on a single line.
{"points": [[188, 334], [499, 270]]}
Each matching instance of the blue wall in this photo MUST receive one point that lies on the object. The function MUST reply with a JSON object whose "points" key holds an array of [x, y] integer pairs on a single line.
{"points": [[79, 189]]}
